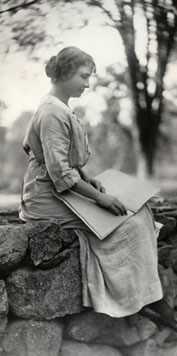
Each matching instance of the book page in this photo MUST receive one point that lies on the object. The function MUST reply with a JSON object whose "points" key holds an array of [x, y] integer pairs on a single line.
{"points": [[99, 220], [132, 192]]}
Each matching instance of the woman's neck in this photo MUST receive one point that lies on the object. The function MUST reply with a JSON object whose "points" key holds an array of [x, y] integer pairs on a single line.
{"points": [[59, 93]]}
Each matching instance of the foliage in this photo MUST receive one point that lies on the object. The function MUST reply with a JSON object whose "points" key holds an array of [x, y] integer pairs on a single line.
{"points": [[148, 64], [25, 25], [15, 161], [156, 20], [21, 29]]}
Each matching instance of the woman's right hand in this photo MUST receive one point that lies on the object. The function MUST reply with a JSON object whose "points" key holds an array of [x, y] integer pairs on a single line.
{"points": [[111, 203]]}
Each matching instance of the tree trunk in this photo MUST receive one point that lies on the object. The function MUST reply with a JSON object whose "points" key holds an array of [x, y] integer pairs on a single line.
{"points": [[148, 135]]}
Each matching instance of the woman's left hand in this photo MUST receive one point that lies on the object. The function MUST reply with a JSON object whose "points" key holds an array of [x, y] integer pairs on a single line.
{"points": [[94, 182], [97, 185]]}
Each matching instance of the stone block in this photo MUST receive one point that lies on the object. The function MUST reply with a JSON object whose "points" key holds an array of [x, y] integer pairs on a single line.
{"points": [[169, 225], [162, 335], [164, 255], [13, 245], [173, 259], [167, 256], [49, 244], [144, 348], [168, 350], [150, 348], [32, 338], [3, 325], [86, 326], [46, 294], [3, 299], [169, 284], [73, 348], [102, 329]]}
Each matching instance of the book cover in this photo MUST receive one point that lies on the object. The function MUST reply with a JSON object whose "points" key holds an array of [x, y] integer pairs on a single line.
{"points": [[132, 192]]}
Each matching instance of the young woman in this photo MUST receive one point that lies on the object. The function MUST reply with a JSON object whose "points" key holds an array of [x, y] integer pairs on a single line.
{"points": [[120, 274]]}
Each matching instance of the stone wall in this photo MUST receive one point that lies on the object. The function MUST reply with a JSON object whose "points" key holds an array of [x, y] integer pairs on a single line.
{"points": [[41, 312]]}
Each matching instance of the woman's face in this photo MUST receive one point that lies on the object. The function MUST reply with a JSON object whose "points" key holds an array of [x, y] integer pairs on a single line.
{"points": [[75, 85]]}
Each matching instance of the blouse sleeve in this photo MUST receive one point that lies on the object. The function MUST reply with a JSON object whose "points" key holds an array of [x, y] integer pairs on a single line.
{"points": [[55, 140]]}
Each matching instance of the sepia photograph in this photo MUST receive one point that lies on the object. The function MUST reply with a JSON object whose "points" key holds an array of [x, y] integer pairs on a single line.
{"points": [[88, 178]]}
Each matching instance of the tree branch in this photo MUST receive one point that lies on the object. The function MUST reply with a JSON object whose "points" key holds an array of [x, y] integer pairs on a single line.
{"points": [[18, 7], [106, 11]]}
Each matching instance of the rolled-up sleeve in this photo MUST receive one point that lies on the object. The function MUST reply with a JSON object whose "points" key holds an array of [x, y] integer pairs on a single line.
{"points": [[55, 140]]}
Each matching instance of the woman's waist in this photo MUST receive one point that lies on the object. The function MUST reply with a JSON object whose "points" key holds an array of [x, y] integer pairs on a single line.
{"points": [[36, 180], [34, 187]]}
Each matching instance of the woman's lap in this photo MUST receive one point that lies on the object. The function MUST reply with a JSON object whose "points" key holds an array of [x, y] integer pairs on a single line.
{"points": [[119, 273], [122, 268]]}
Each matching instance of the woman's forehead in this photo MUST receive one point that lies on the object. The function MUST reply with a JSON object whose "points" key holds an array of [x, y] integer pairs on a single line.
{"points": [[85, 70]]}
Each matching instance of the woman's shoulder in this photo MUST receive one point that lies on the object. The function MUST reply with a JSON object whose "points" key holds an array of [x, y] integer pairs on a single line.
{"points": [[51, 112], [52, 105]]}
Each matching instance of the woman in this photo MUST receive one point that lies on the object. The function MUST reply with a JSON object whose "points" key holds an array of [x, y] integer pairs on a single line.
{"points": [[119, 273]]}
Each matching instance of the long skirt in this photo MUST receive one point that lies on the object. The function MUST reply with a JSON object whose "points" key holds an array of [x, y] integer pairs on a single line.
{"points": [[119, 273]]}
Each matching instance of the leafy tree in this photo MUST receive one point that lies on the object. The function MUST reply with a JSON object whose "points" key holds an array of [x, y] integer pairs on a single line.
{"points": [[114, 122], [146, 72], [19, 24], [147, 67], [24, 24], [16, 159]]}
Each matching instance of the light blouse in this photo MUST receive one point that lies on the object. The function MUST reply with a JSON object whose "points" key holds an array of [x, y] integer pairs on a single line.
{"points": [[57, 145]]}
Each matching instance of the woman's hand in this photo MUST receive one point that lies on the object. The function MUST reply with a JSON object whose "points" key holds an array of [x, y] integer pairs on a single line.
{"points": [[97, 185], [111, 203], [94, 182]]}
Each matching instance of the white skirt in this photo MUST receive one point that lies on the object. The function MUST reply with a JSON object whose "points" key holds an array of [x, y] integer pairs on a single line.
{"points": [[119, 273]]}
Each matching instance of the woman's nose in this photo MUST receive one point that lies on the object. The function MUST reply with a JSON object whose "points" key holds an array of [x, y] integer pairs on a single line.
{"points": [[87, 84]]}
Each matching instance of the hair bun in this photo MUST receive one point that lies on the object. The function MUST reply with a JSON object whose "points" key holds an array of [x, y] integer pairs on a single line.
{"points": [[50, 68]]}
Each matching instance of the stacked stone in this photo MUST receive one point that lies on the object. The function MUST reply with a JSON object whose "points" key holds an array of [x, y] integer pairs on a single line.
{"points": [[41, 312]]}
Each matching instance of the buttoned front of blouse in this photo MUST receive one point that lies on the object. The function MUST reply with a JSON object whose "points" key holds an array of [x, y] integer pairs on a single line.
{"points": [[57, 145]]}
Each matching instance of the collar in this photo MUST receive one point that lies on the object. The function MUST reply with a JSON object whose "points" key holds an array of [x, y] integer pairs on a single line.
{"points": [[51, 99]]}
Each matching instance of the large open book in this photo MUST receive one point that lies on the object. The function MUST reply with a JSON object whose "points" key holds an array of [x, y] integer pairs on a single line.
{"points": [[132, 192]]}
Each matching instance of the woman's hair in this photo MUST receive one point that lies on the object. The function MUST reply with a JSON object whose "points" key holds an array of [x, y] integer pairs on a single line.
{"points": [[66, 63]]}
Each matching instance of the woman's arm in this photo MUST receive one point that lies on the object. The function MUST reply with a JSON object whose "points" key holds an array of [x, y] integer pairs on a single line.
{"points": [[54, 134], [94, 182], [55, 140], [105, 201]]}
